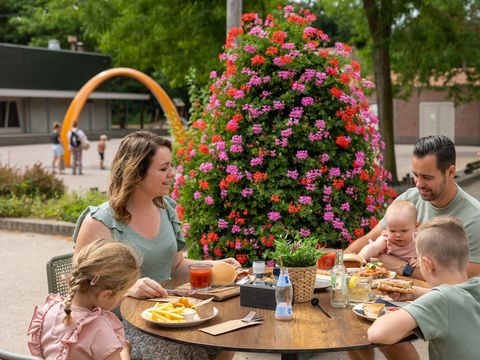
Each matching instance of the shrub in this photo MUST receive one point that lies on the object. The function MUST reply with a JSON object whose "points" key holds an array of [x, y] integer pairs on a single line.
{"points": [[32, 181], [38, 181], [286, 143]]}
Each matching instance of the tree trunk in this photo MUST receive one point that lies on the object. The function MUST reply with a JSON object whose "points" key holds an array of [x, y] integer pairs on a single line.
{"points": [[385, 106], [380, 19]]}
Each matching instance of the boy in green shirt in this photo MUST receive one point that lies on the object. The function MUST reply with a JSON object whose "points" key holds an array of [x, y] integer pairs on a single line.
{"points": [[448, 315]]}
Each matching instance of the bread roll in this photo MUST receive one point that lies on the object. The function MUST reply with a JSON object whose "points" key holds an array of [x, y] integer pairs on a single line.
{"points": [[352, 260], [223, 274]]}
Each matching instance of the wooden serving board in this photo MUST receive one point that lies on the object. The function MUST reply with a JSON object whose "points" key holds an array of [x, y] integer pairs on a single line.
{"points": [[219, 294]]}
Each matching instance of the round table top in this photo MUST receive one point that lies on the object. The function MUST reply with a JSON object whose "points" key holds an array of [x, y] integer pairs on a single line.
{"points": [[309, 331]]}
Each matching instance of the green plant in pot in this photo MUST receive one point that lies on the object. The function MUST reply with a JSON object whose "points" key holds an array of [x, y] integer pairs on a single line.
{"points": [[299, 255]]}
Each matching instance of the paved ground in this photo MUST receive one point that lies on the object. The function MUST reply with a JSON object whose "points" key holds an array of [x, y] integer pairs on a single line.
{"points": [[23, 255]]}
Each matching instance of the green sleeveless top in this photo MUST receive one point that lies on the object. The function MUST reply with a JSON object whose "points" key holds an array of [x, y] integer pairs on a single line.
{"points": [[157, 255]]}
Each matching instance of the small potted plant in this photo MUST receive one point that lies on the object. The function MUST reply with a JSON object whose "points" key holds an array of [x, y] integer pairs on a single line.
{"points": [[299, 255]]}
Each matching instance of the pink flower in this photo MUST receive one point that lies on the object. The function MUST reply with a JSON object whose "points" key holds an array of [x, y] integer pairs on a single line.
{"points": [[256, 161], [222, 224], [197, 195], [274, 215], [209, 200], [292, 174], [206, 167], [302, 154], [305, 200], [257, 129], [307, 101], [305, 232]]}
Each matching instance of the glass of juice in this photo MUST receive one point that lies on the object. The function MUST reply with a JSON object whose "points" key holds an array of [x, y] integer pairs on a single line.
{"points": [[200, 276], [359, 288]]}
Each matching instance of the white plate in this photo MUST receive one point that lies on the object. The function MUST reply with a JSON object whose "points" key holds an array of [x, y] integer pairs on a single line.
{"points": [[322, 281], [358, 310], [196, 320], [390, 275]]}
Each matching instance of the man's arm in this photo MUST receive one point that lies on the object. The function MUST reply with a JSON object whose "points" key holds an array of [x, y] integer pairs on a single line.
{"points": [[358, 244], [392, 327], [393, 263], [473, 269]]}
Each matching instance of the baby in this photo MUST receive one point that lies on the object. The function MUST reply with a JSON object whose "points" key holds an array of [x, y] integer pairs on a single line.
{"points": [[398, 239]]}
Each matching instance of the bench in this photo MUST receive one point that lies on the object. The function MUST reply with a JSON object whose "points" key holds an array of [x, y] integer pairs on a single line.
{"points": [[472, 166]]}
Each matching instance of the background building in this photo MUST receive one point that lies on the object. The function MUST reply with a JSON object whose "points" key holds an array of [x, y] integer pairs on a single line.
{"points": [[37, 86]]}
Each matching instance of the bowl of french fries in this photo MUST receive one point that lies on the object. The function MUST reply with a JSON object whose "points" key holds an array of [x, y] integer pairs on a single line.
{"points": [[175, 314]]}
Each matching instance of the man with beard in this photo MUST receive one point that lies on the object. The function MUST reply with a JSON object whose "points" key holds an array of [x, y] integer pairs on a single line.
{"points": [[435, 194]]}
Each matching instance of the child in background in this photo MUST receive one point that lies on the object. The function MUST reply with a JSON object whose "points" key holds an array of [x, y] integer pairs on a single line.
{"points": [[102, 145], [448, 315], [82, 326], [397, 240]]}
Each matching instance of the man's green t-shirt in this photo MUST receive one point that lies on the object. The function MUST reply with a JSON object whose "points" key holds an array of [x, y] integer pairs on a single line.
{"points": [[448, 317], [464, 207]]}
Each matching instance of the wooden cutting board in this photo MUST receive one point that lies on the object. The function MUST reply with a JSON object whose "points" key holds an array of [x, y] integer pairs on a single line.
{"points": [[219, 294]]}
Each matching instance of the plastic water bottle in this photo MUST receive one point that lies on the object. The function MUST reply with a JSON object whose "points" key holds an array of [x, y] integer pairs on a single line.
{"points": [[283, 296], [339, 282]]}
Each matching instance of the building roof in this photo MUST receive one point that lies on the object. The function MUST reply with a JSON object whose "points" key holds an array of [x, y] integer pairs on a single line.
{"points": [[33, 93], [25, 67]]}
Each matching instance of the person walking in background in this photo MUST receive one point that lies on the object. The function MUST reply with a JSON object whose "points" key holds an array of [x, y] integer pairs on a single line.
{"points": [[83, 326], [57, 148], [102, 145], [75, 138]]}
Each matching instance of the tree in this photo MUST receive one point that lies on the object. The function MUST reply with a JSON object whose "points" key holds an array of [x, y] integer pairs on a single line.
{"points": [[421, 41]]}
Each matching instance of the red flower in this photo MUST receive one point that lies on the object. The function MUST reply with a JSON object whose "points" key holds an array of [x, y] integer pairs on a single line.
{"points": [[278, 37], [203, 148], [272, 50], [292, 208], [216, 138], [259, 176], [286, 59], [258, 60], [338, 184], [343, 141], [248, 17], [232, 126], [203, 184], [344, 78], [218, 252], [323, 53], [358, 232], [336, 92], [274, 198]]}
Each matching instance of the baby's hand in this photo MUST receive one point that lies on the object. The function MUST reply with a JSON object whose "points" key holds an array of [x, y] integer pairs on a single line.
{"points": [[414, 263]]}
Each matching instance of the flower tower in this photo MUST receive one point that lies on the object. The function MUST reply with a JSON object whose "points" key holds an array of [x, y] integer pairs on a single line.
{"points": [[286, 143]]}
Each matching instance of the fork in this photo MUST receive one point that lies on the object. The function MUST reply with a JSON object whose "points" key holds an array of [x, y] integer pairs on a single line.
{"points": [[249, 316]]}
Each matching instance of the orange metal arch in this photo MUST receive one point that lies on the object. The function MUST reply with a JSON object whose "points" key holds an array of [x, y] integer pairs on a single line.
{"points": [[80, 99]]}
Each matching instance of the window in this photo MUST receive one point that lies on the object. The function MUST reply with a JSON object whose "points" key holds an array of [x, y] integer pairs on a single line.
{"points": [[9, 115]]}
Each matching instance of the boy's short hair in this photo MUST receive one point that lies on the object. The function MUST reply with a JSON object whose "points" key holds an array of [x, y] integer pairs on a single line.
{"points": [[444, 239]]}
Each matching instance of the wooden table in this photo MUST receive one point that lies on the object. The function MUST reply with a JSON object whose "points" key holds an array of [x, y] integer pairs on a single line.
{"points": [[309, 331]]}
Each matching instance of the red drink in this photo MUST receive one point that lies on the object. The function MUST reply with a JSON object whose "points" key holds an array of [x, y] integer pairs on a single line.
{"points": [[200, 276]]}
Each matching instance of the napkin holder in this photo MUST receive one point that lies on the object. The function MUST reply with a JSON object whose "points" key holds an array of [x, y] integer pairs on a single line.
{"points": [[258, 296]]}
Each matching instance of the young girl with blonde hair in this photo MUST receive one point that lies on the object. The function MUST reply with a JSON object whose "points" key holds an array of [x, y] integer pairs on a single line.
{"points": [[82, 326]]}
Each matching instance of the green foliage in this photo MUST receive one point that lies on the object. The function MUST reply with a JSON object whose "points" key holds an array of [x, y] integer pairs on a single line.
{"points": [[68, 207], [297, 251]]}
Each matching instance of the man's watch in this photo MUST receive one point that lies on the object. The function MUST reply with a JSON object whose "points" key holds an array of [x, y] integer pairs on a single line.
{"points": [[407, 270]]}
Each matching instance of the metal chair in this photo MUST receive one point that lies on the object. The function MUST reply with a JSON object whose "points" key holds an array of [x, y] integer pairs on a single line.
{"points": [[58, 269], [7, 355]]}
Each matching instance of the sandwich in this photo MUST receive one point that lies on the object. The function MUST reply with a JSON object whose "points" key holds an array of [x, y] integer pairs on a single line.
{"points": [[375, 270], [373, 310], [352, 260], [394, 285]]}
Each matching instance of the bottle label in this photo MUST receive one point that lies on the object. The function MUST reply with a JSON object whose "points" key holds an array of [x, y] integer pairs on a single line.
{"points": [[283, 280], [283, 311]]}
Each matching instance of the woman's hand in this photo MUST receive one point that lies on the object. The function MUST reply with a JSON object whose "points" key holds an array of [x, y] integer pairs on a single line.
{"points": [[145, 288], [233, 262]]}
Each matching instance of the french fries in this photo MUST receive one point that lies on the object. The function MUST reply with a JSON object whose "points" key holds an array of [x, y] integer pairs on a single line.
{"points": [[168, 312]]}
